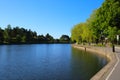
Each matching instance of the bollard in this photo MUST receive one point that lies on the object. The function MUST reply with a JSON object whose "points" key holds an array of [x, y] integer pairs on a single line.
{"points": [[113, 48], [85, 48]]}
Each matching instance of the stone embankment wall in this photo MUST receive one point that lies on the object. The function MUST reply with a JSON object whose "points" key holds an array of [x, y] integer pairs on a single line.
{"points": [[104, 51]]}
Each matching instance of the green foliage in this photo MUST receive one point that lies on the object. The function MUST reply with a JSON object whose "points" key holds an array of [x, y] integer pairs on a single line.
{"points": [[1, 36], [107, 15], [49, 38], [82, 33], [76, 33], [64, 39], [112, 31], [103, 23], [19, 35], [6, 36]]}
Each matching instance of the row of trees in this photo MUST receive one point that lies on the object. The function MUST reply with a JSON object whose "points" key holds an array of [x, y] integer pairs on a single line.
{"points": [[103, 24], [82, 33], [18, 35]]}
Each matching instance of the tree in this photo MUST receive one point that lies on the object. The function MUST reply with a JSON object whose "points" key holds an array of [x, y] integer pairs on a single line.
{"points": [[112, 31], [1, 36], [17, 35], [94, 29], [87, 34], [49, 38], [82, 33], [76, 33], [6, 36], [65, 39], [107, 15], [103, 22], [41, 39]]}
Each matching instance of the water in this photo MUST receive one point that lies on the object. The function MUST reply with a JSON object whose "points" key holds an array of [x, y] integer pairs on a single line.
{"points": [[47, 62]]}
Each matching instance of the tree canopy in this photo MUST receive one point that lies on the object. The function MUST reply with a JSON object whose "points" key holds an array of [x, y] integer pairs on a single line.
{"points": [[65, 39], [19, 35], [103, 22]]}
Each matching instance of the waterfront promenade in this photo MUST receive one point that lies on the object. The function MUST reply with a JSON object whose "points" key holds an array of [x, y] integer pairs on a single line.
{"points": [[115, 72], [112, 70]]}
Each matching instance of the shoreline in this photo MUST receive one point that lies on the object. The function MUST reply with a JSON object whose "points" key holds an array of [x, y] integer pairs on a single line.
{"points": [[104, 73]]}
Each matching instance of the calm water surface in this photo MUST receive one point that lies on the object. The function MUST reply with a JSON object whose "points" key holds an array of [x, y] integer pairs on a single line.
{"points": [[47, 62]]}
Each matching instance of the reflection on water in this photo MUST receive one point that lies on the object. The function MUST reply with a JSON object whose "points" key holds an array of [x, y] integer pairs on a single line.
{"points": [[47, 62], [87, 64]]}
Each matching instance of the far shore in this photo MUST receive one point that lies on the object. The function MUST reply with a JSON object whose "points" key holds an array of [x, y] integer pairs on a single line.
{"points": [[104, 51], [34, 43]]}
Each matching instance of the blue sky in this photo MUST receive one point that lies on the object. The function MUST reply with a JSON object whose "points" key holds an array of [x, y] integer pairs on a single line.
{"points": [[55, 17]]}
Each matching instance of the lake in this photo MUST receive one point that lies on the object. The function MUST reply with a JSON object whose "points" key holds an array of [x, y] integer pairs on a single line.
{"points": [[47, 62]]}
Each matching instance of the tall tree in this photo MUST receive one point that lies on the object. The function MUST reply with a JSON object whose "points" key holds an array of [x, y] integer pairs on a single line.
{"points": [[76, 33], [65, 39], [49, 38], [82, 33], [1, 35], [107, 15], [112, 31]]}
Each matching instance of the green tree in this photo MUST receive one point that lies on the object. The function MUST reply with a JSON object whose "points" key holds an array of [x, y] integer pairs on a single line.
{"points": [[76, 33], [107, 15], [1, 36], [65, 39], [82, 33], [6, 36], [41, 39], [49, 38], [112, 31]]}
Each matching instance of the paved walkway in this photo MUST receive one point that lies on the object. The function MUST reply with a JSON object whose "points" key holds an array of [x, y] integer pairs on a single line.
{"points": [[115, 73]]}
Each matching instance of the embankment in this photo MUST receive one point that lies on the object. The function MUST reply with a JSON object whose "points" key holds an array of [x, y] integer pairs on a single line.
{"points": [[104, 51]]}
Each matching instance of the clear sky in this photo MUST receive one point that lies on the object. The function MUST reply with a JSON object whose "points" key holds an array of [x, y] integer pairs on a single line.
{"points": [[55, 17]]}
